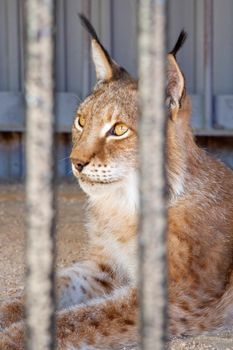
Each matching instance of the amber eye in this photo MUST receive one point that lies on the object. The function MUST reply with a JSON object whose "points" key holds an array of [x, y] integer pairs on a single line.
{"points": [[119, 129], [80, 121]]}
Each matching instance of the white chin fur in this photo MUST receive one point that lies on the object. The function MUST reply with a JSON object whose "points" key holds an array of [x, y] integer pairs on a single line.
{"points": [[123, 193]]}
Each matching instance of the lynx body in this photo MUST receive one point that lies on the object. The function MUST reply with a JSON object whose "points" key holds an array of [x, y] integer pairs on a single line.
{"points": [[98, 306]]}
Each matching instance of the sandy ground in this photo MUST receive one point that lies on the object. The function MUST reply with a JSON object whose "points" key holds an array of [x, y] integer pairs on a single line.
{"points": [[70, 232], [70, 247]]}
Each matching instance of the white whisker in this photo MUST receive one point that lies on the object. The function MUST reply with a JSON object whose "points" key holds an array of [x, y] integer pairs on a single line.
{"points": [[60, 160]]}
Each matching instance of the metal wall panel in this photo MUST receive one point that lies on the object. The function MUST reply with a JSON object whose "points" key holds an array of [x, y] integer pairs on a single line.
{"points": [[184, 11], [223, 47], [125, 34], [61, 63], [189, 15], [10, 63]]}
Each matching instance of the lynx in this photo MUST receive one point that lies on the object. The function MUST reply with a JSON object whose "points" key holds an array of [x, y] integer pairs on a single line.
{"points": [[98, 306]]}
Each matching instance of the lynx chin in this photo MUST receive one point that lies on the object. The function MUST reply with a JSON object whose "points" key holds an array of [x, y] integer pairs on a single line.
{"points": [[98, 307]]}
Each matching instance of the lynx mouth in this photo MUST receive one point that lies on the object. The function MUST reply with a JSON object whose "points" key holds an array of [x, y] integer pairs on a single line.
{"points": [[96, 179], [92, 182]]}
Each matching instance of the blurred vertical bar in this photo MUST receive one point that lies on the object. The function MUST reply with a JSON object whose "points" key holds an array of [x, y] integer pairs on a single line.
{"points": [[40, 173], [153, 218], [86, 10], [208, 63]]}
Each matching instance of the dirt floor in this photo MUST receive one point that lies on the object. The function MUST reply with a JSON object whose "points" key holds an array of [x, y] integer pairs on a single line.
{"points": [[70, 232], [70, 247]]}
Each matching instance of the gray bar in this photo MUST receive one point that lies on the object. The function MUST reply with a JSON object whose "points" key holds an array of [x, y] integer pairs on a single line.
{"points": [[152, 224], [208, 63], [40, 174]]}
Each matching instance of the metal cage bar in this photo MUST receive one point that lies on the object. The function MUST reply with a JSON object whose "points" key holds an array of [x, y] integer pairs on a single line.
{"points": [[40, 173], [208, 63], [152, 224]]}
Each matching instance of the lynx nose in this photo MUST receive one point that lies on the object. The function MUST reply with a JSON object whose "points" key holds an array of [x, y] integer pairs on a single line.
{"points": [[78, 164]]}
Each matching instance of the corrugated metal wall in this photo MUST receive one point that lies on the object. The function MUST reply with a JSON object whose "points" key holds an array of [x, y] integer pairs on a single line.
{"points": [[116, 22]]}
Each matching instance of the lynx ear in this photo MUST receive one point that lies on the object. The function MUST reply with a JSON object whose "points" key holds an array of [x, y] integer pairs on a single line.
{"points": [[104, 65], [102, 61], [175, 80]]}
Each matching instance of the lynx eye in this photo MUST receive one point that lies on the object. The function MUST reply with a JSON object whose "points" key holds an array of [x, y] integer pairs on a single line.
{"points": [[119, 129], [80, 121]]}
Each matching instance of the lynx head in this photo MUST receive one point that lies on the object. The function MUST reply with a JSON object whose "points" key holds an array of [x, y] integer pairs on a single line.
{"points": [[104, 133]]}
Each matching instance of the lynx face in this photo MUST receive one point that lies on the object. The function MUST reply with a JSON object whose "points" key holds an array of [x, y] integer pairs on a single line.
{"points": [[105, 136], [104, 154]]}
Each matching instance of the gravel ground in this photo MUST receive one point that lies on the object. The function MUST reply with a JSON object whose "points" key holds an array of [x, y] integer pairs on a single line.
{"points": [[70, 232], [70, 248]]}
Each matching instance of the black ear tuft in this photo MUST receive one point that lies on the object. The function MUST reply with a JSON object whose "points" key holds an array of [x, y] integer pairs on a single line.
{"points": [[88, 26], [91, 30], [180, 42]]}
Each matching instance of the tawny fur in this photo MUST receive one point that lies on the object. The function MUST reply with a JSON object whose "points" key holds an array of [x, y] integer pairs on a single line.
{"points": [[98, 297]]}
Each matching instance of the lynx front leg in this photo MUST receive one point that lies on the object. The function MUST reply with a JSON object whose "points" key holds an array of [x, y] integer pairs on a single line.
{"points": [[106, 324], [109, 323], [75, 285]]}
